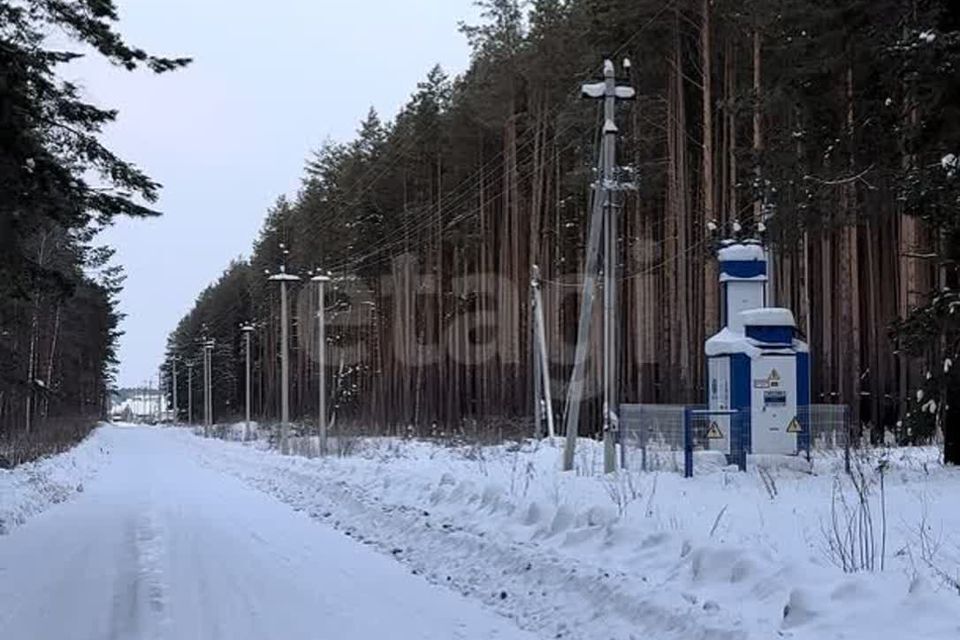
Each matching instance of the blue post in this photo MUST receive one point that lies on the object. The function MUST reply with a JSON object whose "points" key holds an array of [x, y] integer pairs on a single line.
{"points": [[803, 404], [687, 443]]}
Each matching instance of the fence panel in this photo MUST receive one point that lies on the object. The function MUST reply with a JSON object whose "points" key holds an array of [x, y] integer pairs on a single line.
{"points": [[717, 432], [694, 439], [679, 438], [827, 429], [652, 436]]}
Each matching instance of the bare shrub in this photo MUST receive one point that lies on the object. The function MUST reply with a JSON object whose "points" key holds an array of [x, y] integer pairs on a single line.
{"points": [[930, 545], [347, 442], [622, 490], [648, 511], [716, 523], [769, 483], [221, 431], [476, 453], [516, 481], [50, 436], [393, 450], [849, 536]]}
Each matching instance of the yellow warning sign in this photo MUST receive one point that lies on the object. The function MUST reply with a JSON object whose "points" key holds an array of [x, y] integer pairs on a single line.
{"points": [[794, 426], [714, 433]]}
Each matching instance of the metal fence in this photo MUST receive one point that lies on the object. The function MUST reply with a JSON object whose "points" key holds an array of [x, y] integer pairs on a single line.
{"points": [[652, 436], [692, 440], [828, 430], [679, 438]]}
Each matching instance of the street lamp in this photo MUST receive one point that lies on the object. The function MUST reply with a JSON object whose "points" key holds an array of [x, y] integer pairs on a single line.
{"points": [[247, 330], [176, 406], [284, 279], [208, 346], [190, 366], [321, 281]]}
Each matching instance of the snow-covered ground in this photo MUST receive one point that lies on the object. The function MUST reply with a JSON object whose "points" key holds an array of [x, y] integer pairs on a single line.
{"points": [[163, 542], [36, 486], [723, 555], [159, 546]]}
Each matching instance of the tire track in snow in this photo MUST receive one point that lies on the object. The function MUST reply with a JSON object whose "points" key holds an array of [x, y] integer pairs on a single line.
{"points": [[533, 586], [150, 579]]}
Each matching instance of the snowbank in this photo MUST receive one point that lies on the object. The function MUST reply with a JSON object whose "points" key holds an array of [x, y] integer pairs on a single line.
{"points": [[577, 555], [32, 488]]}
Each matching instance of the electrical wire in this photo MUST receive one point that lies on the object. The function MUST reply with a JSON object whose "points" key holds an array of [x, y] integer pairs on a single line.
{"points": [[464, 189]]}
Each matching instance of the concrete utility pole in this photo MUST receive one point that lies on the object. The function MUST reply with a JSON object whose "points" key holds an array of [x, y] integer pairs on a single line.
{"points": [[767, 211], [247, 333], [208, 346], [544, 398], [321, 281], [284, 279], [190, 392], [603, 217], [535, 372], [206, 393], [176, 407], [206, 428]]}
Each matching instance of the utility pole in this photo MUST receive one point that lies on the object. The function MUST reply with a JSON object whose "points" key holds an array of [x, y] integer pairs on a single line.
{"points": [[206, 391], [767, 210], [176, 407], [284, 278], [544, 399], [603, 218], [190, 392], [208, 387], [247, 332], [535, 371], [321, 281]]}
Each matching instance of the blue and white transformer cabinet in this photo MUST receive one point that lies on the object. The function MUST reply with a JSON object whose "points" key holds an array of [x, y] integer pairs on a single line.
{"points": [[757, 365]]}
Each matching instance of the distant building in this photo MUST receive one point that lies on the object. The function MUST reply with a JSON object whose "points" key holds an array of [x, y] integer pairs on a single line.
{"points": [[140, 406]]}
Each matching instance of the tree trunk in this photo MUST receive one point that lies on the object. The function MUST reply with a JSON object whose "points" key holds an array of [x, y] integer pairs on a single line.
{"points": [[757, 126], [711, 307]]}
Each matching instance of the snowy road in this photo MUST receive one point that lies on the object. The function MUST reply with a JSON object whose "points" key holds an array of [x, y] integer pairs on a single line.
{"points": [[158, 546]]}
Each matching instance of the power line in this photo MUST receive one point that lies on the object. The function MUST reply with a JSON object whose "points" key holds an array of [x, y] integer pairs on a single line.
{"points": [[435, 220], [464, 188]]}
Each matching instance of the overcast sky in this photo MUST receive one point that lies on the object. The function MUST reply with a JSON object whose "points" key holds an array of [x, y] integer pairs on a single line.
{"points": [[269, 83]]}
